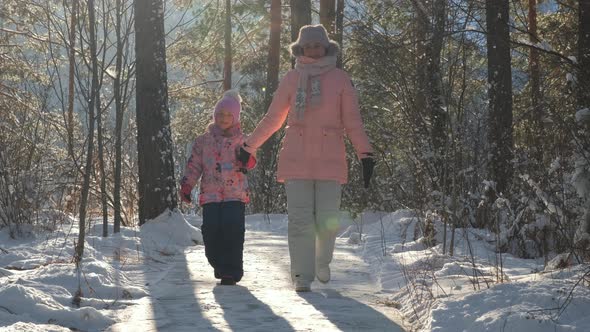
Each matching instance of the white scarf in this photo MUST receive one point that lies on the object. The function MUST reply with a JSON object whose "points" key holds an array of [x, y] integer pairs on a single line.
{"points": [[309, 74]]}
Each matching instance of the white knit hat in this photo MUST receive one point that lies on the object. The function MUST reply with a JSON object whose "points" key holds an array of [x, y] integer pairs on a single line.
{"points": [[314, 34]]}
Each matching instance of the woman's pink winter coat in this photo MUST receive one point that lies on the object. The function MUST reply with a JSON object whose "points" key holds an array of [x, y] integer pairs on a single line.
{"points": [[313, 148], [214, 161]]}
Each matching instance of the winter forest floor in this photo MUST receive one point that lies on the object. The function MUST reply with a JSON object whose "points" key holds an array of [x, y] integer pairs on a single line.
{"points": [[156, 278]]}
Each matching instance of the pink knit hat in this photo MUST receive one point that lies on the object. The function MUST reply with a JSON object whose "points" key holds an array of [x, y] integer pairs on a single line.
{"points": [[230, 102]]}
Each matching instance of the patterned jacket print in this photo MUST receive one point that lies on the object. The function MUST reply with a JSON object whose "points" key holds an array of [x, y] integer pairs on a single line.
{"points": [[214, 161]]}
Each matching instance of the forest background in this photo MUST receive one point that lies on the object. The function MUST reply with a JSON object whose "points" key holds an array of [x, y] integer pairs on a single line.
{"points": [[478, 110]]}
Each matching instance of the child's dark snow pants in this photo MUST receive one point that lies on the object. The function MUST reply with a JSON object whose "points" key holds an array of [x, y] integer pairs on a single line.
{"points": [[223, 233]]}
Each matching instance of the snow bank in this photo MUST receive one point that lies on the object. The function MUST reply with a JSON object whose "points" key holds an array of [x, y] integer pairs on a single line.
{"points": [[438, 292], [169, 234], [524, 306], [101, 281], [36, 306], [32, 327], [38, 278]]}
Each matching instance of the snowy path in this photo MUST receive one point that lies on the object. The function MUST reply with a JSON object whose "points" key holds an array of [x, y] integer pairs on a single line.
{"points": [[187, 297]]}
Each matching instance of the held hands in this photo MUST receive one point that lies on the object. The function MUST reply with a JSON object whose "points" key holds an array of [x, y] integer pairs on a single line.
{"points": [[185, 193], [243, 155], [368, 165]]}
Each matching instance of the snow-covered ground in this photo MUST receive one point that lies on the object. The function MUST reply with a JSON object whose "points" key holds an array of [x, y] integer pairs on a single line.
{"points": [[156, 279], [475, 289]]}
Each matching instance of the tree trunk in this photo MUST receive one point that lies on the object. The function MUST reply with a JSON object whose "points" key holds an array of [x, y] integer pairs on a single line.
{"points": [[90, 148], [118, 119], [434, 87], [584, 90], [421, 34], [536, 113], [157, 187], [500, 94], [100, 131], [429, 99], [103, 180], [71, 78], [584, 54], [228, 60], [269, 149], [300, 16], [328, 15], [340, 31], [272, 78]]}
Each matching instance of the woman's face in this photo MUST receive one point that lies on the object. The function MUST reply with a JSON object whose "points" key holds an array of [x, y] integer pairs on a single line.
{"points": [[314, 50], [224, 119]]}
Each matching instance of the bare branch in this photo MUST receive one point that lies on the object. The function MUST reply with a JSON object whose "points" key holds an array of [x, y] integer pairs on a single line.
{"points": [[29, 35], [196, 85]]}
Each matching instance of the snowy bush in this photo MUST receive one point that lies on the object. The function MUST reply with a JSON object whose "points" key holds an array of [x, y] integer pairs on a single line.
{"points": [[539, 225], [36, 171]]}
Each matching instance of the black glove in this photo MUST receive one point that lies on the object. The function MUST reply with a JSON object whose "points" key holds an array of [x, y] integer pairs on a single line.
{"points": [[368, 165], [185, 193], [243, 155]]}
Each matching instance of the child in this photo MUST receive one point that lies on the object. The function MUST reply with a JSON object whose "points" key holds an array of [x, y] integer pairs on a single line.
{"points": [[223, 189]]}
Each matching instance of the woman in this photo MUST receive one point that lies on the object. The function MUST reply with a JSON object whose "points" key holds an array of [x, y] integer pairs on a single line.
{"points": [[321, 104]]}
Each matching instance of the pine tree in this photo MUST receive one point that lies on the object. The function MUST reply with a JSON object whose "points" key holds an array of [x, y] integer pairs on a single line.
{"points": [[157, 188], [500, 94]]}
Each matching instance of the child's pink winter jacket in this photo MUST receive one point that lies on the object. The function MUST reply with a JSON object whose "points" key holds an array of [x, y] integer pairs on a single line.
{"points": [[214, 161], [313, 148]]}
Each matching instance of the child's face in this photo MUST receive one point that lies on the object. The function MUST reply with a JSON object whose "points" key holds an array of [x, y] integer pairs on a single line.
{"points": [[224, 119], [314, 50]]}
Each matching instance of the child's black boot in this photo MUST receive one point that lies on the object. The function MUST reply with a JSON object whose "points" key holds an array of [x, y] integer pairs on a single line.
{"points": [[228, 280]]}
